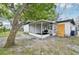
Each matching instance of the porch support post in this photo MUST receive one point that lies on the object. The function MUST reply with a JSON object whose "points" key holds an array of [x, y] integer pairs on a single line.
{"points": [[29, 28], [41, 29], [35, 27]]}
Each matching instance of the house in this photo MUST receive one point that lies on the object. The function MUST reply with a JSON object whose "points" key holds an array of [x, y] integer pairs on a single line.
{"points": [[5, 23], [40, 29], [45, 28], [77, 25]]}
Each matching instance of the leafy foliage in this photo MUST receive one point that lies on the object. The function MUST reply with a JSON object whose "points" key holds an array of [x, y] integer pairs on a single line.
{"points": [[39, 11], [5, 11], [34, 11]]}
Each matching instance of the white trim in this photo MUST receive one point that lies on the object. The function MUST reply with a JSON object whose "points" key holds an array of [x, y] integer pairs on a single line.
{"points": [[39, 36]]}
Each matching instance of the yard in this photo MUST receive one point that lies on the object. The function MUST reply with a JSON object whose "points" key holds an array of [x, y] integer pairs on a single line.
{"points": [[4, 34], [48, 46]]}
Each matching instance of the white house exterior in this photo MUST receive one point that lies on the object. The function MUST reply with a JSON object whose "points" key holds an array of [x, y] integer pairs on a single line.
{"points": [[26, 28], [37, 28], [77, 25], [5, 23], [69, 25]]}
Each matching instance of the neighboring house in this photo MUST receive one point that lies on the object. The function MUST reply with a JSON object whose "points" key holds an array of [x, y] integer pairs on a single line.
{"points": [[42, 29], [77, 25], [5, 23], [77, 29]]}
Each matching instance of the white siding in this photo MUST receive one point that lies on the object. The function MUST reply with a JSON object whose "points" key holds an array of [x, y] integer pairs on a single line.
{"points": [[73, 27], [26, 28], [38, 28], [7, 25], [32, 28], [54, 29], [67, 28]]}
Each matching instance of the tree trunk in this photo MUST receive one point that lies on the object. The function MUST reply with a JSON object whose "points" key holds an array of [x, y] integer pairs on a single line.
{"points": [[11, 38], [15, 27]]}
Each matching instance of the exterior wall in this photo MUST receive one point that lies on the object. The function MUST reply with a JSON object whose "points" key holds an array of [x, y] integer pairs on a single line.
{"points": [[26, 28], [67, 28], [6, 24], [73, 27], [38, 28], [31, 28], [77, 27], [53, 29]]}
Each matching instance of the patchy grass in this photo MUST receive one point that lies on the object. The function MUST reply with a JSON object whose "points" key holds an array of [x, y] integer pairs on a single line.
{"points": [[74, 40], [54, 46], [4, 34], [4, 51]]}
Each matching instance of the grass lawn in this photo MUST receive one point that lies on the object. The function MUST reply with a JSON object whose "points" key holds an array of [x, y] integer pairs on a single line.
{"points": [[4, 51], [56, 46], [74, 40], [4, 34]]}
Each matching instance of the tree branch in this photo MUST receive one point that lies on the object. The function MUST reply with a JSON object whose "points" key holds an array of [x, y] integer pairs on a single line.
{"points": [[59, 14], [18, 13]]}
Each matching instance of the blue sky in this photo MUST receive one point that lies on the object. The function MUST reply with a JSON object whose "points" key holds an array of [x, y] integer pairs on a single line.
{"points": [[71, 10]]}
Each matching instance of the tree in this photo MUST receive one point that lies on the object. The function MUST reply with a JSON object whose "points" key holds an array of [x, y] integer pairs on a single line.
{"points": [[40, 11], [30, 12], [61, 12], [15, 27], [5, 11]]}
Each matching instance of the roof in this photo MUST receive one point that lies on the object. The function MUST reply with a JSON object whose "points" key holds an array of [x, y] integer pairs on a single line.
{"points": [[68, 20], [44, 21], [3, 19], [52, 22]]}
